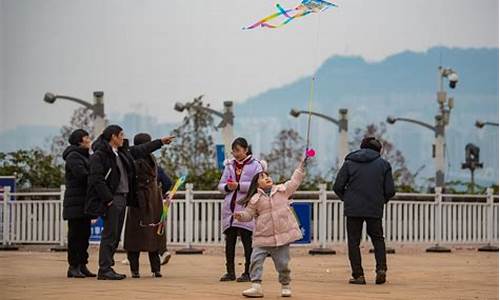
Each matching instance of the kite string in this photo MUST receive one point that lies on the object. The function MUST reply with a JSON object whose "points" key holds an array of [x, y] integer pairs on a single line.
{"points": [[312, 86]]}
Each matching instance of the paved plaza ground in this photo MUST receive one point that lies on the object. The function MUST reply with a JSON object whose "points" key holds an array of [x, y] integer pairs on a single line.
{"points": [[37, 273]]}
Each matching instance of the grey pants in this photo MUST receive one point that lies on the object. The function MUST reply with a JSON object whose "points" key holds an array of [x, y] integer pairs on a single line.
{"points": [[280, 256], [110, 236]]}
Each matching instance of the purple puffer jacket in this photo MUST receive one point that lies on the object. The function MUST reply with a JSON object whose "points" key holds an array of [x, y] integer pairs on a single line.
{"points": [[249, 170]]}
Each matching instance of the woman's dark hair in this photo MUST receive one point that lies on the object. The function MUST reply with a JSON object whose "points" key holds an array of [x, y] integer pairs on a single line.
{"points": [[77, 136], [110, 131], [371, 143], [252, 190], [142, 138]]}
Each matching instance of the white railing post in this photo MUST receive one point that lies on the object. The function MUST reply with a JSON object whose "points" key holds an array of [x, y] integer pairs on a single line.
{"points": [[6, 231], [62, 226], [323, 250], [438, 200], [189, 223], [61, 220], [489, 223]]}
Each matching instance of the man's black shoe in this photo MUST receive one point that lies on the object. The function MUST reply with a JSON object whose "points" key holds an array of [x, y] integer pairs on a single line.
{"points": [[110, 275], [358, 280], [74, 272], [86, 271]]}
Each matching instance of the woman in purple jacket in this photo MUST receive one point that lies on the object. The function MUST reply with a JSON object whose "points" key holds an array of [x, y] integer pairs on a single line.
{"points": [[235, 181]]}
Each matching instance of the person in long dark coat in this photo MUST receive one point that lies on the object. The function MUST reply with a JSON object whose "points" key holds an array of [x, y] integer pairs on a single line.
{"points": [[76, 156], [140, 230], [112, 185]]}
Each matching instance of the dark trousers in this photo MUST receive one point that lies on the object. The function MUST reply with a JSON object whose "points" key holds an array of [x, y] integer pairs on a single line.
{"points": [[231, 237], [376, 234], [78, 241], [154, 261], [110, 236]]}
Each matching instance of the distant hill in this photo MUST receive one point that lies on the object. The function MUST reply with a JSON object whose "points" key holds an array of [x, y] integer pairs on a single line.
{"points": [[404, 84]]}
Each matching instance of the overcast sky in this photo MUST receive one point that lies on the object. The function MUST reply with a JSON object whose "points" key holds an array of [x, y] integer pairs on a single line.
{"points": [[146, 55]]}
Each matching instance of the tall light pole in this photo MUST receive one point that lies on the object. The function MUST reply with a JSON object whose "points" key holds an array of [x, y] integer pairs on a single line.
{"points": [[226, 124], [442, 119], [97, 108], [342, 123]]}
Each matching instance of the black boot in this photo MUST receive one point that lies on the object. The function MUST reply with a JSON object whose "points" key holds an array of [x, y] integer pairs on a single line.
{"points": [[74, 272], [380, 279], [228, 277], [135, 274], [110, 275], [358, 280], [245, 277], [157, 274], [85, 271]]}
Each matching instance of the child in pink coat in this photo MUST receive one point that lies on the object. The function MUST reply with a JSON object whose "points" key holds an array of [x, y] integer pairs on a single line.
{"points": [[275, 227]]}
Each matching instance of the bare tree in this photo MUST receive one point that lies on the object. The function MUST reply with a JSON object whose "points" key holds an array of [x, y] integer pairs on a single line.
{"points": [[81, 119], [287, 150], [403, 178], [193, 152]]}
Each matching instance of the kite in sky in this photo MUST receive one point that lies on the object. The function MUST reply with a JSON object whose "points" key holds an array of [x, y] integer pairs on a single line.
{"points": [[303, 9]]}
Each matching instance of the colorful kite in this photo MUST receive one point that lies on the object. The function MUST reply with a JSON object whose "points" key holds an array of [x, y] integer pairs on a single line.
{"points": [[303, 9], [166, 205]]}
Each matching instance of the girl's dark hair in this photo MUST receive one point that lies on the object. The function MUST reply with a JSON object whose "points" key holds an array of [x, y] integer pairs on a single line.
{"points": [[252, 190], [110, 131], [239, 142], [242, 142]]}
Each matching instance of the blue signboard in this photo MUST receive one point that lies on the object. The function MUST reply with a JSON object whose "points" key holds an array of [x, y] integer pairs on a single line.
{"points": [[95, 230], [303, 215], [7, 181], [220, 156]]}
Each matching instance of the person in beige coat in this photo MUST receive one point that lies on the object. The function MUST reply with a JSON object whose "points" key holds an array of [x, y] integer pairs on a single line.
{"points": [[275, 227]]}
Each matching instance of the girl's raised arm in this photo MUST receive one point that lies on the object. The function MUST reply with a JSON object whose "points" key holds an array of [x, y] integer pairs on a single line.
{"points": [[298, 175]]}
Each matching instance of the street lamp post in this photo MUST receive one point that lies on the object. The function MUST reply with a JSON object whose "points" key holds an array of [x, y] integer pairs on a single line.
{"points": [[97, 108], [442, 119], [342, 123], [226, 124], [481, 124]]}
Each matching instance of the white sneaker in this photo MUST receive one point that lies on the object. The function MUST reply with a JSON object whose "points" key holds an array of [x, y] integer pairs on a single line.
{"points": [[165, 258], [125, 262], [286, 291], [254, 292]]}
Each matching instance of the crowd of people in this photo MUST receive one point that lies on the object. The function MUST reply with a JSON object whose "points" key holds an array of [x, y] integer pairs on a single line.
{"points": [[116, 181]]}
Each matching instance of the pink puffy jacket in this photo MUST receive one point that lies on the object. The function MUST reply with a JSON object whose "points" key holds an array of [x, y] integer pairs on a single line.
{"points": [[275, 223]]}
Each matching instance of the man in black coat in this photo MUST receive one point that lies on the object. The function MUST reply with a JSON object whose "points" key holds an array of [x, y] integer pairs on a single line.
{"points": [[365, 184], [112, 187], [76, 156]]}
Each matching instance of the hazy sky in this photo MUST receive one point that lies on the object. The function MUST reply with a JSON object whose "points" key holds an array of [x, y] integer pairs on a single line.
{"points": [[146, 55]]}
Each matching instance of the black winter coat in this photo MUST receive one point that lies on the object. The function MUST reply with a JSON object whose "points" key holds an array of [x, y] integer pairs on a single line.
{"points": [[104, 176], [76, 174], [365, 184]]}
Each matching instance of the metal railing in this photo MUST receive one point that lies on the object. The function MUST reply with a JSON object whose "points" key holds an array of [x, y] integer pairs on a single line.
{"points": [[195, 218]]}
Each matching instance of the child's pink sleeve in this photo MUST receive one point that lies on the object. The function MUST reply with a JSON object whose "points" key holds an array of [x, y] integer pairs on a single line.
{"points": [[250, 211], [293, 184]]}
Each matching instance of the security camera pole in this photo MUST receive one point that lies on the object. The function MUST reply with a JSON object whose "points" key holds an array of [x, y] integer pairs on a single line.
{"points": [[342, 123], [441, 121], [226, 124], [97, 108]]}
